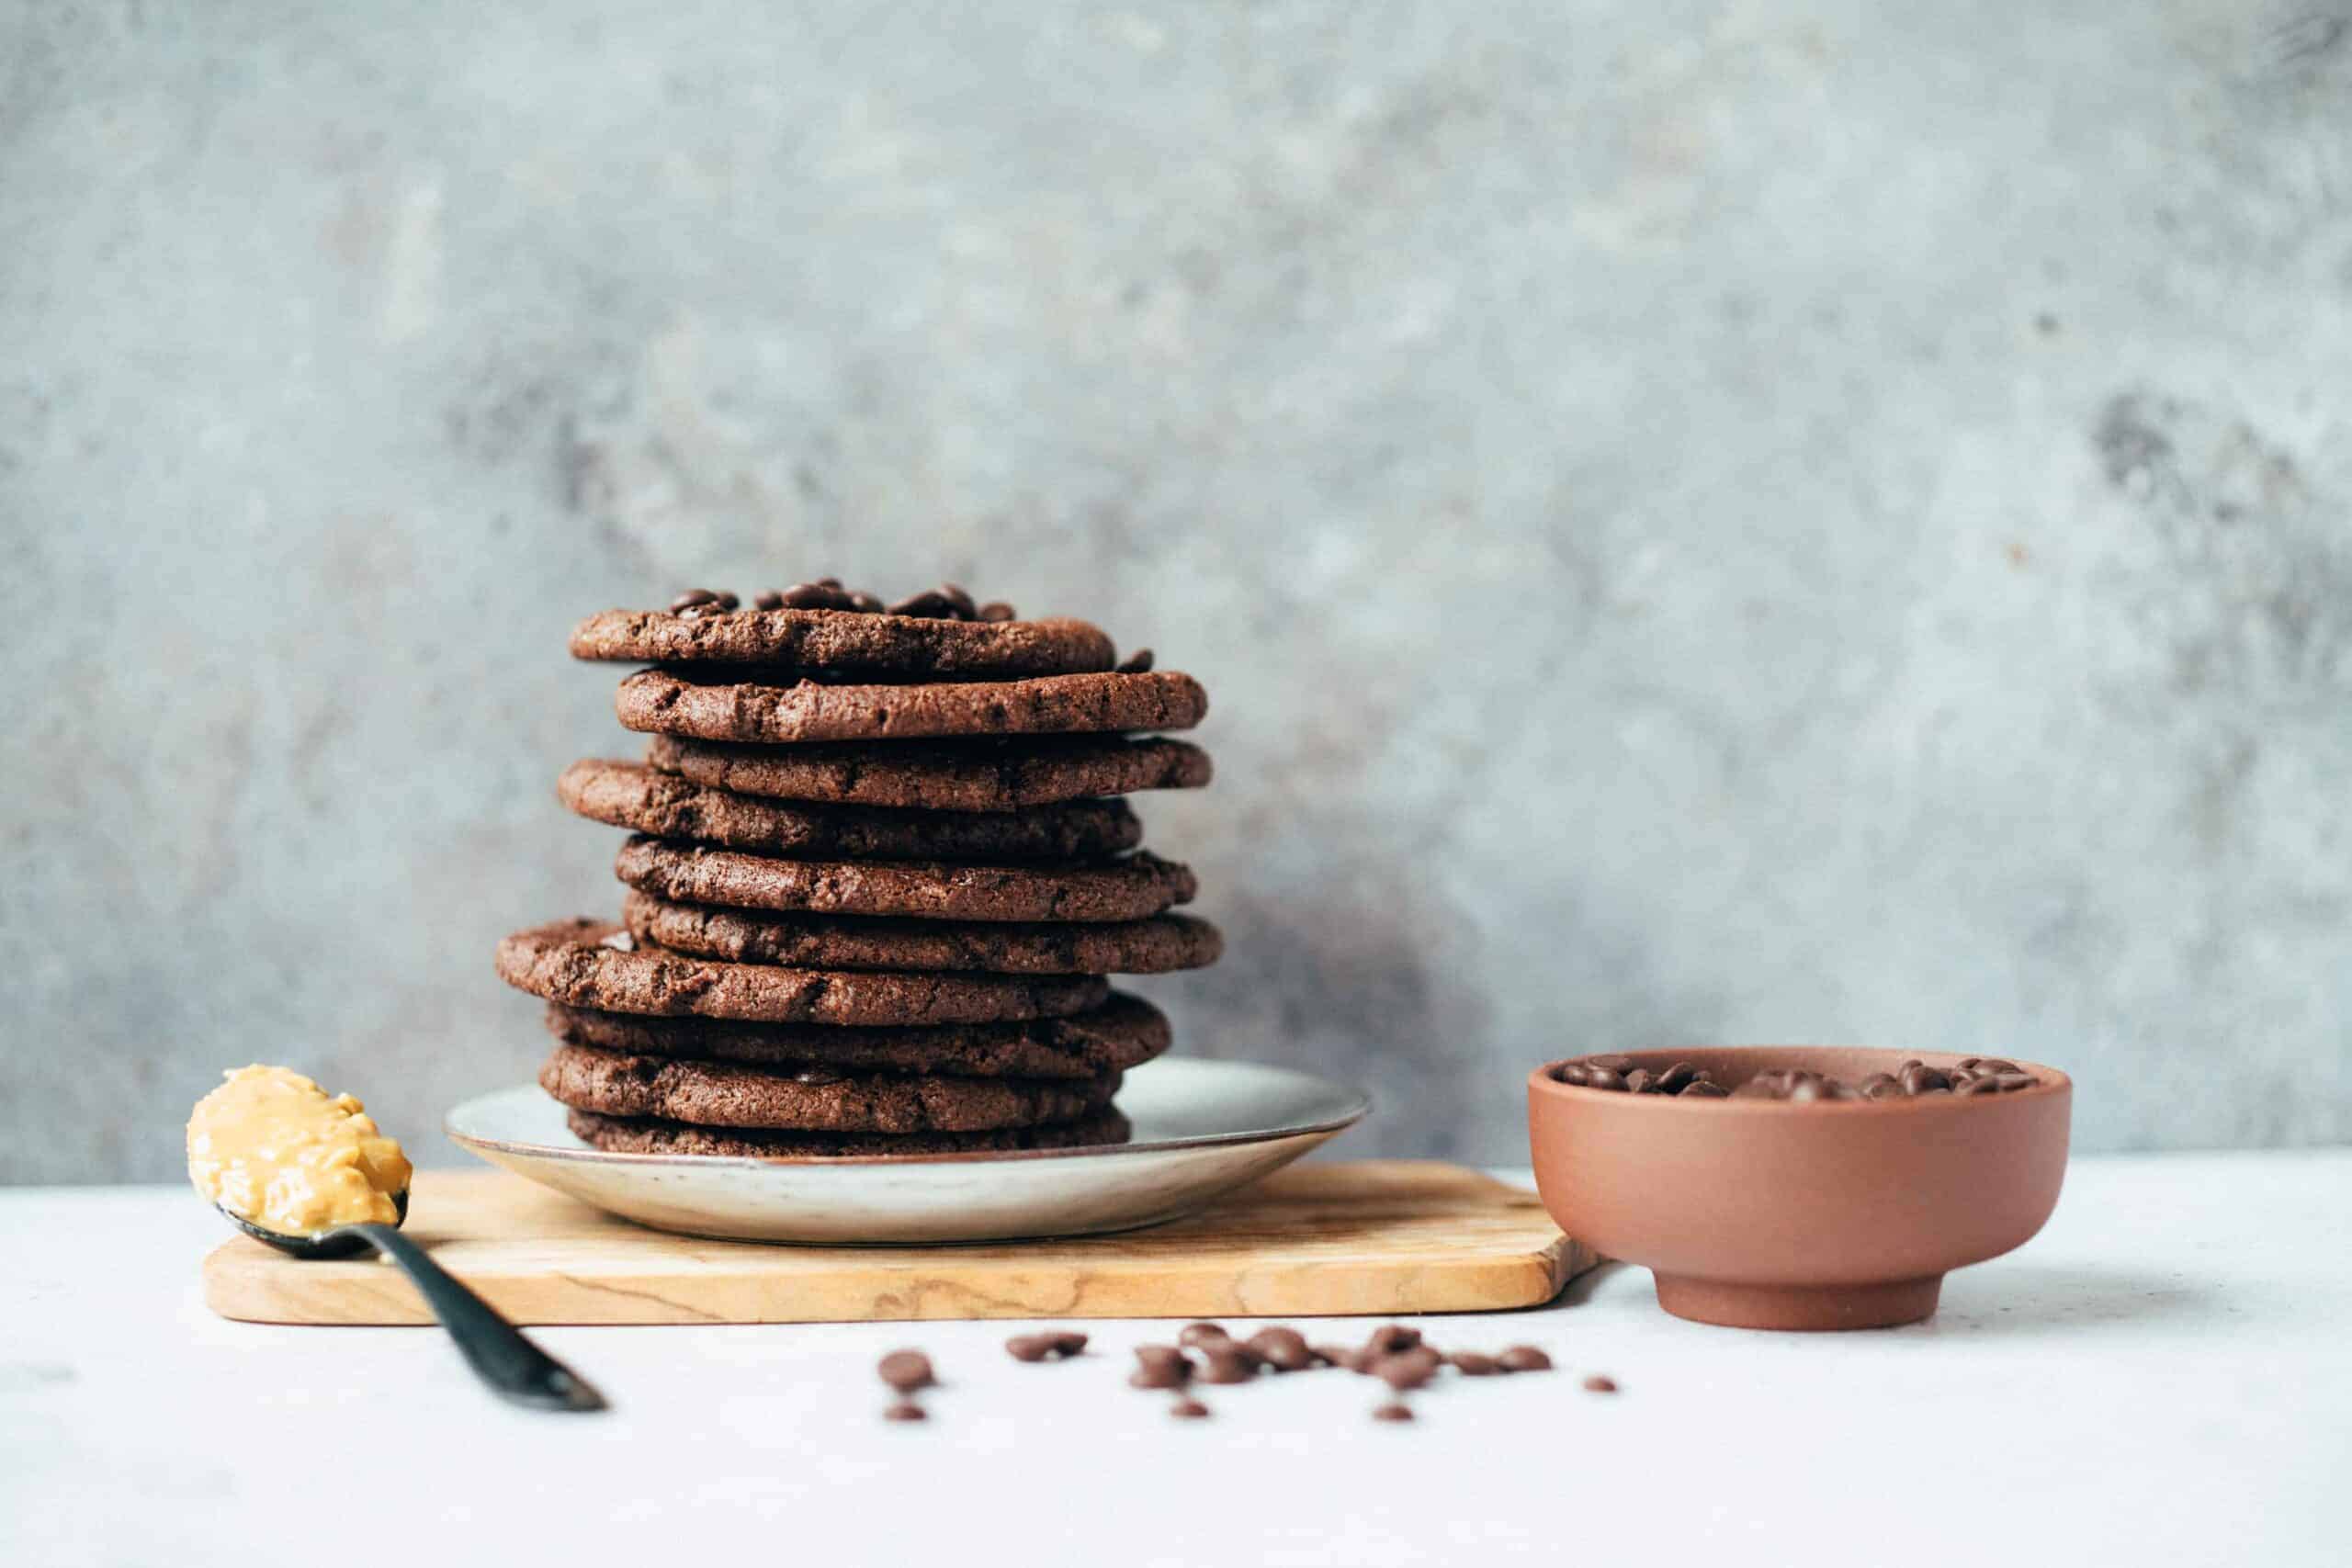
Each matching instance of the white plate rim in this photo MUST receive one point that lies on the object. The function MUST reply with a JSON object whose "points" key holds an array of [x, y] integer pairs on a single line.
{"points": [[1360, 1105]]}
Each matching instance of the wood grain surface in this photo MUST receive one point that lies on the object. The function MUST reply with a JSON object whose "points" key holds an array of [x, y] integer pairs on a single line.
{"points": [[1358, 1237]]}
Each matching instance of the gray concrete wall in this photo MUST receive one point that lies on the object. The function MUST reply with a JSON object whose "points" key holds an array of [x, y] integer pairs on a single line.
{"points": [[1703, 521]]}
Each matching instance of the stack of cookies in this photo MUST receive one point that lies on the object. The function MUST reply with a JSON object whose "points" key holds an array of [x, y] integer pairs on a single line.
{"points": [[881, 865]]}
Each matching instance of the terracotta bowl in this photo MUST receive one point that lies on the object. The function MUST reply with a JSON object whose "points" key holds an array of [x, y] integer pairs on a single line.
{"points": [[1761, 1213]]}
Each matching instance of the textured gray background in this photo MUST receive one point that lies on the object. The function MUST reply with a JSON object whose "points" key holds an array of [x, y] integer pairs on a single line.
{"points": [[1704, 522]]}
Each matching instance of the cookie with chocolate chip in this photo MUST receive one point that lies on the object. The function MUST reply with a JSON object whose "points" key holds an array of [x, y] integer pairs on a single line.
{"points": [[1131, 888], [1124, 1031], [701, 706], [722, 1094], [637, 1135], [886, 645], [1156, 946], [987, 775], [631, 794], [592, 964]]}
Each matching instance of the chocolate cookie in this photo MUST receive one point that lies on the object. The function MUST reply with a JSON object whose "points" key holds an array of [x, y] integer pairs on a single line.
{"points": [[1130, 888], [630, 795], [839, 640], [632, 1135], [668, 702], [1156, 946], [593, 964], [1124, 1031], [718, 1094], [948, 775]]}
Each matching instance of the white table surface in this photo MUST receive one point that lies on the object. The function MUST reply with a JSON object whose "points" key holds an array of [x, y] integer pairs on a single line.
{"points": [[2163, 1376]]}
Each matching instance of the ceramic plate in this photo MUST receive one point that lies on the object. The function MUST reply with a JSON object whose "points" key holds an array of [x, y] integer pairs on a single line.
{"points": [[1201, 1130]]}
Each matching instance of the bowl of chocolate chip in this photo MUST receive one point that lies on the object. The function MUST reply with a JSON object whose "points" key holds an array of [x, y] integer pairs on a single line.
{"points": [[1796, 1186]]}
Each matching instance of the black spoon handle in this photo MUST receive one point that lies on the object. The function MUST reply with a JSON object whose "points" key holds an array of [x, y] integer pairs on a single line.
{"points": [[496, 1350]]}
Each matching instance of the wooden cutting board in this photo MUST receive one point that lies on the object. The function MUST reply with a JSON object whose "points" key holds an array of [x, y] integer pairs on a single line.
{"points": [[1368, 1237]]}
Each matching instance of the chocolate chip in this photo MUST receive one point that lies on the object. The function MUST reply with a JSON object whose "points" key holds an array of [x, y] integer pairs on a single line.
{"points": [[1524, 1359], [827, 595], [1390, 1338], [1188, 1410], [702, 601], [1976, 1085], [996, 610], [905, 1410], [1196, 1334], [905, 1370], [1161, 1365], [945, 604], [770, 600], [1346, 1356], [1573, 1073], [1226, 1363], [1599, 1384], [1134, 663], [1394, 1410], [1285, 1349], [1599, 1076], [1474, 1364], [1704, 1090], [1040, 1346], [1640, 1081], [1918, 1078], [865, 603], [2012, 1081], [1677, 1078], [1405, 1371]]}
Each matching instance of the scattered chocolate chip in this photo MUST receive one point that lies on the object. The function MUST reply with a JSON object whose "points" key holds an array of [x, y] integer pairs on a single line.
{"points": [[1394, 1410], [905, 1370], [1640, 1081], [770, 600], [1474, 1364], [1346, 1356], [1195, 1335], [996, 610], [1225, 1363], [1524, 1359], [1134, 663], [1390, 1338], [1405, 1371], [1285, 1349], [1599, 1385], [1041, 1347], [1188, 1410], [865, 603], [1161, 1365], [905, 1410]]}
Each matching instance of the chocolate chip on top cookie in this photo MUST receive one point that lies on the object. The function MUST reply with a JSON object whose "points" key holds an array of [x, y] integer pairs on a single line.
{"points": [[823, 626]]}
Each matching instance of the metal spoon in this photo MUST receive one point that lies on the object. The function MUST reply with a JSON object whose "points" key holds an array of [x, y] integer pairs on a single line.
{"points": [[513, 1366]]}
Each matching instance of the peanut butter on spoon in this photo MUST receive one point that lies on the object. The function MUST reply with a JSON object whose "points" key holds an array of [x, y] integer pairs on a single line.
{"points": [[310, 1174], [271, 1146]]}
